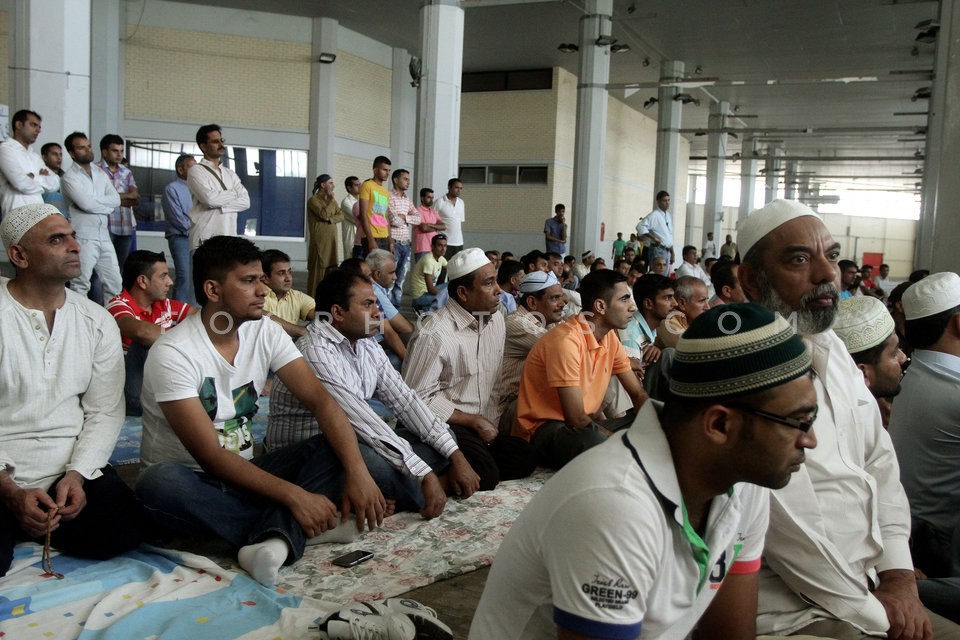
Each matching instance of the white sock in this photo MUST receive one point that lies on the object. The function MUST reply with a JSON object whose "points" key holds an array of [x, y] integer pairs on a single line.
{"points": [[346, 531], [264, 559]]}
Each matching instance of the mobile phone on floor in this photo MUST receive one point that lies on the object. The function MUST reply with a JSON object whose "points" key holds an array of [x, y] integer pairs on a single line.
{"points": [[353, 558]]}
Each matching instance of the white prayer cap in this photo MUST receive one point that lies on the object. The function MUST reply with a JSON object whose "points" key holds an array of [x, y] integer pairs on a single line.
{"points": [[466, 262], [934, 294], [18, 221], [762, 221], [586, 254], [538, 281], [863, 323]]}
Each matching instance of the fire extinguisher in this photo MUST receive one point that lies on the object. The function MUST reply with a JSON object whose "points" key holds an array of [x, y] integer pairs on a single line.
{"points": [[603, 230]]}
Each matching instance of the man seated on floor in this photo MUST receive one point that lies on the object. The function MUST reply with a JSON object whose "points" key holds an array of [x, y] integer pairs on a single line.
{"points": [[658, 532], [453, 364], [341, 351], [61, 370], [143, 313], [200, 390], [867, 330], [383, 270], [726, 284], [540, 307], [569, 369], [693, 298], [284, 305], [509, 276], [837, 558], [423, 280], [655, 300]]}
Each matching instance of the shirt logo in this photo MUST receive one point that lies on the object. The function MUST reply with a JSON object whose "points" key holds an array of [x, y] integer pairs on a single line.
{"points": [[609, 593]]}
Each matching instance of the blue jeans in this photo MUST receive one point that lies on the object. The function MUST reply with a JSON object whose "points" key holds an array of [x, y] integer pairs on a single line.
{"points": [[185, 500], [402, 253], [182, 283], [134, 361]]}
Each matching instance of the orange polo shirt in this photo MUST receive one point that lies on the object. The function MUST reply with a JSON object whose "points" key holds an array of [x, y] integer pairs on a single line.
{"points": [[566, 356]]}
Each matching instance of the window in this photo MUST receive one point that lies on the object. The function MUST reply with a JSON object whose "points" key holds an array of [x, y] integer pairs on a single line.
{"points": [[276, 180], [502, 175], [509, 174]]}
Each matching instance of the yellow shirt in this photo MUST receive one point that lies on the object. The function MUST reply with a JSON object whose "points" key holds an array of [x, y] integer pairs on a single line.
{"points": [[293, 307]]}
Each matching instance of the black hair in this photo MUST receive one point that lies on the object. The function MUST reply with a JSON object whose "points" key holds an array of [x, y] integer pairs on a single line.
{"points": [[425, 191], [346, 183], [139, 263], [271, 257], [204, 132], [599, 285], [559, 207], [397, 173], [109, 139], [381, 160], [21, 116], [919, 275], [218, 255], [182, 160], [508, 269], [649, 285], [453, 181], [68, 141], [335, 289], [437, 238], [531, 259], [48, 146], [662, 194], [722, 275]]}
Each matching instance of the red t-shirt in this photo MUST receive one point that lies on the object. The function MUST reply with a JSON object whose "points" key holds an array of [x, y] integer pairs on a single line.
{"points": [[164, 313]]}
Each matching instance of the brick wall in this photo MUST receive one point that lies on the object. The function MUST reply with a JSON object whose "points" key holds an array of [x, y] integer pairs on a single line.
{"points": [[363, 100]]}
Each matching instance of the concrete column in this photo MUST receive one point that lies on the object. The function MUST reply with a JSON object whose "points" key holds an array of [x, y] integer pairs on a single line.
{"points": [[323, 101], [403, 117], [716, 164], [50, 64], [108, 27], [668, 134], [691, 214], [748, 178], [790, 181], [438, 100], [591, 128], [772, 166], [938, 232]]}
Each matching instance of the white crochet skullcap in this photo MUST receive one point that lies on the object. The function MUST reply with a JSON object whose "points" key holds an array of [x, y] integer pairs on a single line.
{"points": [[538, 281], [863, 323], [18, 221], [762, 221], [936, 293], [466, 262]]}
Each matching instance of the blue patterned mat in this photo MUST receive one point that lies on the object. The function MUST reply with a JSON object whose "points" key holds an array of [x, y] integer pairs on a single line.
{"points": [[127, 450]]}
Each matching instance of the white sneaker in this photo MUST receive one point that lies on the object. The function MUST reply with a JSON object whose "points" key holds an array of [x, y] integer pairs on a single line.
{"points": [[424, 618], [358, 621]]}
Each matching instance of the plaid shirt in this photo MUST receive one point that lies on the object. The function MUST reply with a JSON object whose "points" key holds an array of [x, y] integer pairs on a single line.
{"points": [[121, 221], [402, 214]]}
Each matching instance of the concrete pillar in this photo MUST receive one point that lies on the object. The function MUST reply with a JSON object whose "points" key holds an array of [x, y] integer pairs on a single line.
{"points": [[403, 117], [772, 166], [748, 178], [790, 181], [938, 232], [716, 163], [438, 100], [108, 27], [591, 128], [668, 134], [323, 100], [50, 64]]}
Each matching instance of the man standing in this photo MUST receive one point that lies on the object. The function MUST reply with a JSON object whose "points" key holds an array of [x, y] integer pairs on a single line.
{"points": [[660, 529], [62, 375], [430, 224], [374, 204], [52, 154], [539, 306], [200, 390], [349, 225], [568, 371], [341, 351], [689, 266], [729, 249], [143, 313], [176, 203], [91, 198], [23, 177], [453, 361], [618, 246], [285, 305], [710, 248], [837, 554], [218, 194], [657, 228], [402, 214], [555, 231], [121, 222], [925, 426], [453, 212]]}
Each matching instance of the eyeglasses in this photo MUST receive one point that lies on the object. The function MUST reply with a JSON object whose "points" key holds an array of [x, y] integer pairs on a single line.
{"points": [[802, 425]]}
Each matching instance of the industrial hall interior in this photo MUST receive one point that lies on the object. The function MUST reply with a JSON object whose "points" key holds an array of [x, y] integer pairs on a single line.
{"points": [[499, 319]]}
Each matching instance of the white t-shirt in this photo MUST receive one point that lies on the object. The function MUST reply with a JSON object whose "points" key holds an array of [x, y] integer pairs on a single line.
{"points": [[183, 363], [601, 550]]}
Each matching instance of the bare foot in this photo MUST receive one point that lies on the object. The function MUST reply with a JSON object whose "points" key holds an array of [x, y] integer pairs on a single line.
{"points": [[391, 508]]}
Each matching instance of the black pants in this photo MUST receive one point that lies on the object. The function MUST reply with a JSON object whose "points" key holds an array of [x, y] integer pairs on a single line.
{"points": [[506, 458], [557, 444], [110, 523]]}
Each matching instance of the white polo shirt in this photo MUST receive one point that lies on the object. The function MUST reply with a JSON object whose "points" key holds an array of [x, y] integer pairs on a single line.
{"points": [[605, 548]]}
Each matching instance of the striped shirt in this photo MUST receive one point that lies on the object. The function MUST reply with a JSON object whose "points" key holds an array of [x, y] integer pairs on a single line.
{"points": [[352, 377], [121, 221], [401, 215], [523, 330], [453, 361]]}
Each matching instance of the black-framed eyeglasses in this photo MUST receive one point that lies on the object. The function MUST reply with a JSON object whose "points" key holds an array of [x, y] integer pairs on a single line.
{"points": [[802, 425]]}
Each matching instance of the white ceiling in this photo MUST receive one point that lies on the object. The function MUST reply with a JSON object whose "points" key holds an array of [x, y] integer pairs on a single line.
{"points": [[784, 51]]}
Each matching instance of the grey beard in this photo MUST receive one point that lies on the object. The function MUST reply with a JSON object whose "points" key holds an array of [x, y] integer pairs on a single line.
{"points": [[809, 320]]}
